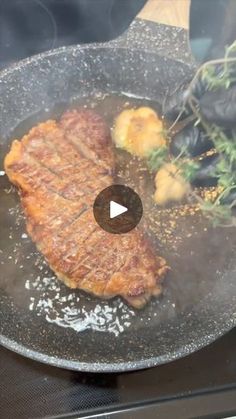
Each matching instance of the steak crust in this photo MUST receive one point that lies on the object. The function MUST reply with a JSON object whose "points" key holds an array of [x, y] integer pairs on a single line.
{"points": [[59, 168]]}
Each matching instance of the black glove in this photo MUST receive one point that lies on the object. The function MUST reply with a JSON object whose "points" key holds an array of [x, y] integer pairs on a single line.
{"points": [[215, 107]]}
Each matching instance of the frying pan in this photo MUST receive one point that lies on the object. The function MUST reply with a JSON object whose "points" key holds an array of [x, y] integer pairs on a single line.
{"points": [[41, 318]]}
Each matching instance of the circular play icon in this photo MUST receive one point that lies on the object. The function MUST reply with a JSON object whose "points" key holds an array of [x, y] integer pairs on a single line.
{"points": [[118, 209]]}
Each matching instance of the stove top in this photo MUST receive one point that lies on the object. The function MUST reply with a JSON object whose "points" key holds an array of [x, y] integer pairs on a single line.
{"points": [[200, 385], [32, 26]]}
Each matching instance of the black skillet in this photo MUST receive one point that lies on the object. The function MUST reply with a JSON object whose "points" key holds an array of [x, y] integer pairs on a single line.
{"points": [[41, 318]]}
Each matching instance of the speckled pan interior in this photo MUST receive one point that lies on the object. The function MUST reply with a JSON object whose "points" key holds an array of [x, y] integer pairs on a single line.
{"points": [[42, 319]]}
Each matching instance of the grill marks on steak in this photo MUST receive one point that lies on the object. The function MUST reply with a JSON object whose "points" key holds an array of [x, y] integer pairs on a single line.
{"points": [[59, 169]]}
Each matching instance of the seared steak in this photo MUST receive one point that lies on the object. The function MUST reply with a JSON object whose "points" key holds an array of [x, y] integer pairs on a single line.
{"points": [[60, 167]]}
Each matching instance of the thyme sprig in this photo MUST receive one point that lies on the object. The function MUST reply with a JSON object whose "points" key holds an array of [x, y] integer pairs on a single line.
{"points": [[157, 157], [216, 77], [215, 74]]}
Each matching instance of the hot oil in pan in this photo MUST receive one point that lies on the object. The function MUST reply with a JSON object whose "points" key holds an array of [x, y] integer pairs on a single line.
{"points": [[192, 248]]}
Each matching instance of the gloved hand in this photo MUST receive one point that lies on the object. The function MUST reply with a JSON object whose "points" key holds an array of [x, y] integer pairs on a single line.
{"points": [[216, 107]]}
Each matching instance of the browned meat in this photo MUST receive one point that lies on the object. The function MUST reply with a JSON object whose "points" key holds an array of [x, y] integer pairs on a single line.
{"points": [[59, 169]]}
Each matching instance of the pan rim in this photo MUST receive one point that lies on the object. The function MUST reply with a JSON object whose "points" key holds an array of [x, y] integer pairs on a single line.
{"points": [[94, 46], [109, 367]]}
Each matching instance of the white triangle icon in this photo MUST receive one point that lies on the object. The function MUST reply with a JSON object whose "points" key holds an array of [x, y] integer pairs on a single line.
{"points": [[116, 209]]}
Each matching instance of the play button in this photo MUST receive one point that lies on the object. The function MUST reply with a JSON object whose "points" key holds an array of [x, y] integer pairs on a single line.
{"points": [[118, 209]]}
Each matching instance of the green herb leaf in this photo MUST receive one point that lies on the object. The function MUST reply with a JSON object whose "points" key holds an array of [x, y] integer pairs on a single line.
{"points": [[188, 169], [157, 158]]}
